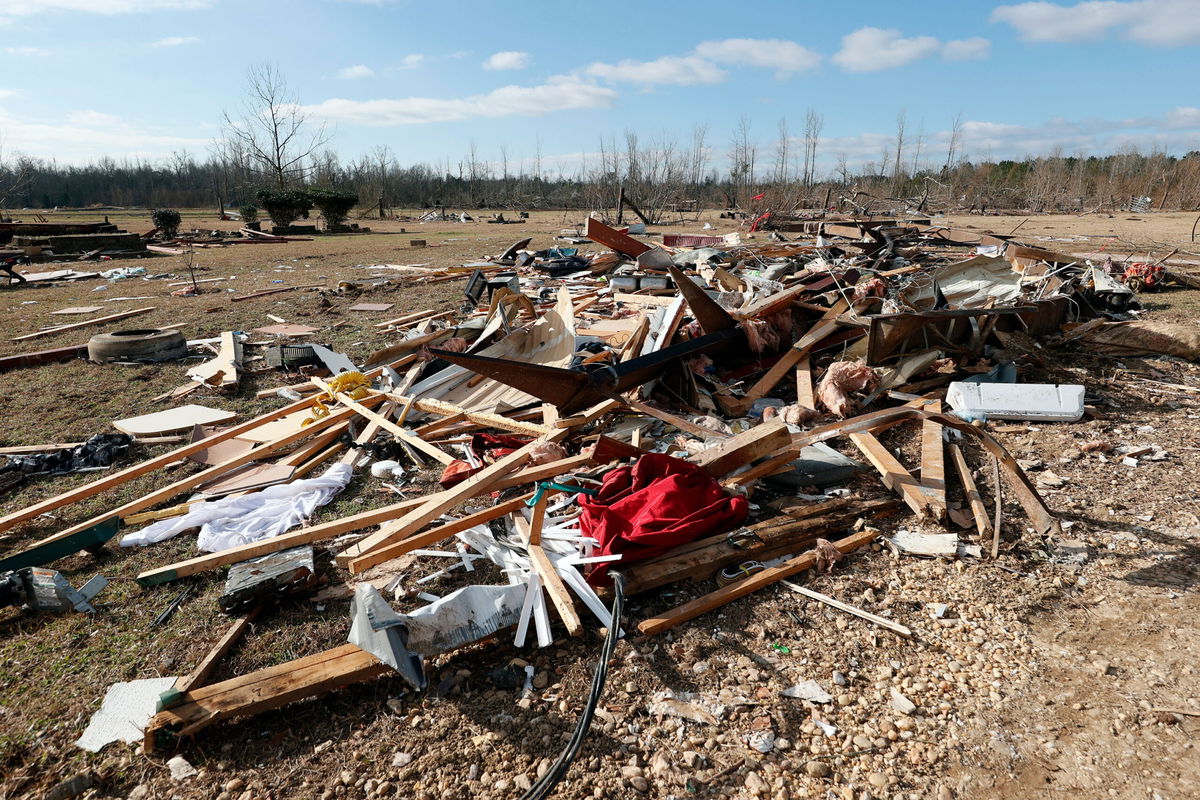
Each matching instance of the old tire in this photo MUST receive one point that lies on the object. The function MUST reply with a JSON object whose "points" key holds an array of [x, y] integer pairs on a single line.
{"points": [[147, 344]]}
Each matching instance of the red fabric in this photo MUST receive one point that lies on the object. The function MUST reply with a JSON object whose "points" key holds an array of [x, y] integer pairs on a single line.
{"points": [[657, 504]]}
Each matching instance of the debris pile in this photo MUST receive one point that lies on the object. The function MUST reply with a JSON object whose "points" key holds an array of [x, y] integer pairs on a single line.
{"points": [[596, 425]]}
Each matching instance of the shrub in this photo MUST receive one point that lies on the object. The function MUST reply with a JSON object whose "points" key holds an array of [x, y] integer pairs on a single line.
{"points": [[284, 206], [335, 205], [167, 221], [249, 213]]}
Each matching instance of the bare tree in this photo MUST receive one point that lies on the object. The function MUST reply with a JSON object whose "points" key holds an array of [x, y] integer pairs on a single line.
{"points": [[272, 130], [898, 168], [781, 155], [955, 142], [813, 123]]}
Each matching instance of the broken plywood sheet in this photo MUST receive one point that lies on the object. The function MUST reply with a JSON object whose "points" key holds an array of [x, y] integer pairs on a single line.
{"points": [[371, 307], [79, 310], [277, 429], [173, 420], [254, 476], [219, 452], [287, 329]]}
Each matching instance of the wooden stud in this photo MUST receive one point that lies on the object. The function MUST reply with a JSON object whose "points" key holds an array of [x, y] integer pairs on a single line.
{"points": [[403, 435], [978, 509], [820, 329], [933, 463], [749, 585], [804, 384], [553, 583], [919, 498], [744, 448], [199, 675]]}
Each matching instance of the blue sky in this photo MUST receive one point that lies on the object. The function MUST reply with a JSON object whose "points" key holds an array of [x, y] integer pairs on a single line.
{"points": [[80, 79]]}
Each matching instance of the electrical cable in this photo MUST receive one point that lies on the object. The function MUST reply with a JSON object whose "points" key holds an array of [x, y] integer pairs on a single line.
{"points": [[545, 785]]}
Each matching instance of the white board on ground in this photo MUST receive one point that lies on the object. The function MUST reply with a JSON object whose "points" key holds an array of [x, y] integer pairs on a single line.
{"points": [[183, 418]]}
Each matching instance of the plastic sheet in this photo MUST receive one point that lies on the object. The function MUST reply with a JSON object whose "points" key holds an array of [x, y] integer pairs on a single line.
{"points": [[234, 521]]}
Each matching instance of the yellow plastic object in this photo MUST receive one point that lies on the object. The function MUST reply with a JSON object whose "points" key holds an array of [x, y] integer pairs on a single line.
{"points": [[319, 409], [353, 384]]}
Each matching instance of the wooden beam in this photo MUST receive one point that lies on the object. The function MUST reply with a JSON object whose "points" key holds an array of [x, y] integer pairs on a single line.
{"points": [[672, 419], [109, 318], [591, 415], [804, 384], [919, 498], [744, 448], [933, 463], [265, 689], [359, 556], [482, 418], [727, 594], [553, 583], [266, 292], [978, 509], [199, 675]]}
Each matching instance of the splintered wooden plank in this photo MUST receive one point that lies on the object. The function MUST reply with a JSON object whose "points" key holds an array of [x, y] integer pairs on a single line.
{"points": [[359, 557], [482, 418], [744, 448], [95, 321], [933, 463], [749, 585], [978, 509], [919, 498], [265, 689], [221, 371], [79, 310], [371, 307], [204, 669], [671, 419]]}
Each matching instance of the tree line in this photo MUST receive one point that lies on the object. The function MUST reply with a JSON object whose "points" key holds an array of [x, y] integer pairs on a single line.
{"points": [[269, 144]]}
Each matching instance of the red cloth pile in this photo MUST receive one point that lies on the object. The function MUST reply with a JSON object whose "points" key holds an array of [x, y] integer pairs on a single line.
{"points": [[657, 504]]}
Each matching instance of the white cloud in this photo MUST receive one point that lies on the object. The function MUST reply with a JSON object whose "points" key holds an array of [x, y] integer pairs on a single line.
{"points": [[976, 48], [558, 94], [354, 72], [84, 136], [176, 41], [27, 51], [412, 61], [1168, 23], [95, 119], [1182, 118], [508, 59], [5, 94], [784, 56], [872, 49], [27, 8], [673, 70]]}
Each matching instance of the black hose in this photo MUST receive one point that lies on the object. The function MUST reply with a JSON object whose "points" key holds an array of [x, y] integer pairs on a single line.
{"points": [[545, 785]]}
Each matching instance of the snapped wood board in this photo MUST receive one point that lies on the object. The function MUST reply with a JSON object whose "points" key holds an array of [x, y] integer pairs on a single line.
{"points": [[183, 418], [371, 307]]}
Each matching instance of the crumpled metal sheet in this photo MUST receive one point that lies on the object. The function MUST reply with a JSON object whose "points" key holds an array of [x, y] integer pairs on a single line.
{"points": [[967, 284], [123, 715]]}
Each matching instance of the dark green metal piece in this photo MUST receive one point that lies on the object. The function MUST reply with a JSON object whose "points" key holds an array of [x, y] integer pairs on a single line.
{"points": [[92, 539]]}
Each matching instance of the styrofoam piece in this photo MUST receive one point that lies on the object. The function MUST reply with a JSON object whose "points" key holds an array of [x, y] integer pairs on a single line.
{"points": [[123, 715], [1046, 402]]}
